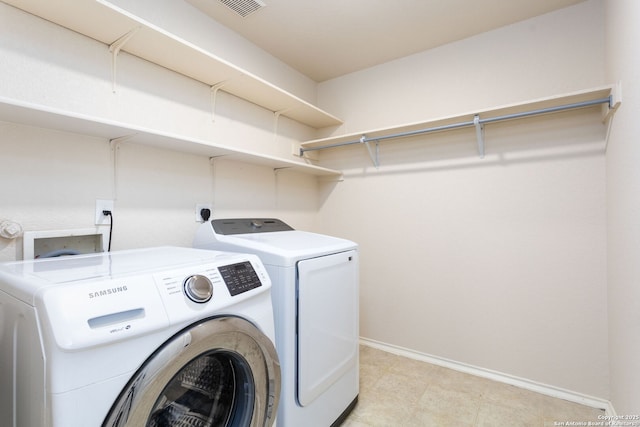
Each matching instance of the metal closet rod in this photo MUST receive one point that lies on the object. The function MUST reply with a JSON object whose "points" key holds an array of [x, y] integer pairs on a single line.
{"points": [[477, 121]]}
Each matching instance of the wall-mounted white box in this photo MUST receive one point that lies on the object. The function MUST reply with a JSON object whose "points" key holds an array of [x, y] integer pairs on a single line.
{"points": [[37, 244]]}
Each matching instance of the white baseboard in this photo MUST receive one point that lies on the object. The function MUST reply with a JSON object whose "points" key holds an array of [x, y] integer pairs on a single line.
{"points": [[524, 383], [610, 411]]}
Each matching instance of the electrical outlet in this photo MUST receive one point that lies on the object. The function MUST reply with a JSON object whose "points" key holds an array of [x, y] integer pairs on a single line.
{"points": [[103, 205], [199, 207]]}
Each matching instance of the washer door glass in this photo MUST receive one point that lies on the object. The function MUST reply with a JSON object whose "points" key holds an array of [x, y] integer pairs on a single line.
{"points": [[215, 389], [220, 372]]}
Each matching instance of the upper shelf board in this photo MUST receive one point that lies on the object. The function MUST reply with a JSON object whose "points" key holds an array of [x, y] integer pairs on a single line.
{"points": [[538, 104], [44, 117], [107, 23]]}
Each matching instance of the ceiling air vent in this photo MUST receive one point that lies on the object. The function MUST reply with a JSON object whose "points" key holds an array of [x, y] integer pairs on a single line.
{"points": [[243, 7]]}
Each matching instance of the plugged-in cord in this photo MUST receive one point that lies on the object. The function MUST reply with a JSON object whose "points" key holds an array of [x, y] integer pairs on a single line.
{"points": [[205, 214], [110, 215]]}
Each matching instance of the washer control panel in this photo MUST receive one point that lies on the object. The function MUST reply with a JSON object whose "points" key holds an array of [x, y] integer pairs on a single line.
{"points": [[211, 287], [240, 277], [125, 294]]}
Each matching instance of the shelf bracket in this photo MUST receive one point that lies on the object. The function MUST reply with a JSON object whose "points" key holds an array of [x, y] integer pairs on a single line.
{"points": [[213, 159], [375, 156], [615, 99], [114, 48], [276, 170], [114, 142], [609, 110], [479, 135], [214, 94], [276, 120]]}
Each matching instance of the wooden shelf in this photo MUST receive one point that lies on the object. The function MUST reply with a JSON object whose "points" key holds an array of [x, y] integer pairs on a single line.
{"points": [[538, 104], [39, 116], [107, 23]]}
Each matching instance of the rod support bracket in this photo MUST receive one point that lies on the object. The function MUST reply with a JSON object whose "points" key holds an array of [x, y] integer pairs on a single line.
{"points": [[479, 135], [375, 156], [615, 99]]}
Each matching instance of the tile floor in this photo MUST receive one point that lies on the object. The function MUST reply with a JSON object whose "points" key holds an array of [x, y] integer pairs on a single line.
{"points": [[399, 392]]}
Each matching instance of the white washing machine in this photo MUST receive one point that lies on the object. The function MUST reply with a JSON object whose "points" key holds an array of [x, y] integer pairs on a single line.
{"points": [[148, 337], [315, 301]]}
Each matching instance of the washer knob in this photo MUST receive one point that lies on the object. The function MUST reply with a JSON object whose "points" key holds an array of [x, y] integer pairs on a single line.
{"points": [[198, 288]]}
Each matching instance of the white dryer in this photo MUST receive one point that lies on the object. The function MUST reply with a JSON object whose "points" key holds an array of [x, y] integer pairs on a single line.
{"points": [[315, 301], [148, 337]]}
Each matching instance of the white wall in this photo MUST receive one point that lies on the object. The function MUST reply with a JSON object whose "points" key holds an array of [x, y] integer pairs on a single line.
{"points": [[623, 203], [52, 179], [501, 262], [557, 53]]}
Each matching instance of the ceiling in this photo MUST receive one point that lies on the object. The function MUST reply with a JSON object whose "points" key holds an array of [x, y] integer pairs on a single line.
{"points": [[324, 39]]}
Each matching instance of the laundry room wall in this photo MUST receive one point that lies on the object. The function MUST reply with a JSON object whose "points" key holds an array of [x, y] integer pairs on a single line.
{"points": [[51, 179], [623, 204], [497, 263]]}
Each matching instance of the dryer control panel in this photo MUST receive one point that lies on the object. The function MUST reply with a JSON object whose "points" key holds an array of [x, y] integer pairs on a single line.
{"points": [[248, 225]]}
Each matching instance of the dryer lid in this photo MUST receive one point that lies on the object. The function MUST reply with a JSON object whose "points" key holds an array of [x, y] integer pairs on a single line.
{"points": [[274, 242]]}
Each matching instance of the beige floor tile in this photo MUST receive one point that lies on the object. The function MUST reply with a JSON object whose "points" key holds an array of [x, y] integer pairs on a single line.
{"points": [[425, 419], [386, 402], [354, 423], [414, 369], [513, 397], [400, 392], [374, 357], [446, 403], [497, 415], [459, 381], [562, 411], [400, 389]]}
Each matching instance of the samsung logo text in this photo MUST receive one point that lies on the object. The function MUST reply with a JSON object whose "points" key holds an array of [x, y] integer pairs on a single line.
{"points": [[107, 291]]}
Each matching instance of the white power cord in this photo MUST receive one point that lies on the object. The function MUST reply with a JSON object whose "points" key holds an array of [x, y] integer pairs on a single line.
{"points": [[10, 229]]}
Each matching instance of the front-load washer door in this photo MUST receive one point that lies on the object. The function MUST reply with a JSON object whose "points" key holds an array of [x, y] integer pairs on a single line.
{"points": [[327, 322], [219, 372]]}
